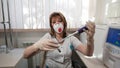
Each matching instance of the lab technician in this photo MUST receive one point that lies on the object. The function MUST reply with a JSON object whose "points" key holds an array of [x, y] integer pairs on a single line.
{"points": [[59, 53]]}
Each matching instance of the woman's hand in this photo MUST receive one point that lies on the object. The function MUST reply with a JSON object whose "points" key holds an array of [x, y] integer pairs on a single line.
{"points": [[91, 30], [46, 44], [88, 50]]}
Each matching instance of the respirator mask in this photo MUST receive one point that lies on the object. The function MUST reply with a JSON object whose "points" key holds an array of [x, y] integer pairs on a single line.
{"points": [[58, 27]]}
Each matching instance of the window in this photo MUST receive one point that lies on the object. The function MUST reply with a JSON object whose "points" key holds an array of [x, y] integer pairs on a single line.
{"points": [[34, 14]]}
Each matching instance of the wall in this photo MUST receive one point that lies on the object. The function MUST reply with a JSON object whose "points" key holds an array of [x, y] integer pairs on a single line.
{"points": [[100, 11], [22, 37]]}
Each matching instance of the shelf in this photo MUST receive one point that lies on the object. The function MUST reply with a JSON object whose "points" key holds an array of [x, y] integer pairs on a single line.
{"points": [[30, 30]]}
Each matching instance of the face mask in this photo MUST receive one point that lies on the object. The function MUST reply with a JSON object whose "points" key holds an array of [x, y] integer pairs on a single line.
{"points": [[58, 27]]}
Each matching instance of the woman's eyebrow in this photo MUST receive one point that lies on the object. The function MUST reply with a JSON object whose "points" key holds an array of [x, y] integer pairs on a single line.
{"points": [[60, 19]]}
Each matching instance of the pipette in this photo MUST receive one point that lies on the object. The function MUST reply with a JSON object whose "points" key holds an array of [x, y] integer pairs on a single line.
{"points": [[80, 30]]}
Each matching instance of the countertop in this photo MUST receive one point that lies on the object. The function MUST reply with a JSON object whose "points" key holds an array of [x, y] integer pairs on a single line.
{"points": [[12, 58], [92, 62]]}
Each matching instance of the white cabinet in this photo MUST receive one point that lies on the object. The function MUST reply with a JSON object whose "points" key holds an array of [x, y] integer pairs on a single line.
{"points": [[99, 39]]}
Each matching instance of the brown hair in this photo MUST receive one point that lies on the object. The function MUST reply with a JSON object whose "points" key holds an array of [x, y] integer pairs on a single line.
{"points": [[54, 14]]}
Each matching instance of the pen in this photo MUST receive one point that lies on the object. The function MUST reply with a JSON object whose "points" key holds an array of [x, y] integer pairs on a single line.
{"points": [[59, 50]]}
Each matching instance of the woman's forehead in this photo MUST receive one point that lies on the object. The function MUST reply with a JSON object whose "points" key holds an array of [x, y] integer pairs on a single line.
{"points": [[56, 18]]}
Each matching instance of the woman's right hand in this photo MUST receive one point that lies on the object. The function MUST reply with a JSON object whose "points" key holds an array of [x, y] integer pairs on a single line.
{"points": [[46, 45]]}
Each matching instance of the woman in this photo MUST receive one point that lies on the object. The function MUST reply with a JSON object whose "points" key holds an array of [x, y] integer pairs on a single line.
{"points": [[59, 53]]}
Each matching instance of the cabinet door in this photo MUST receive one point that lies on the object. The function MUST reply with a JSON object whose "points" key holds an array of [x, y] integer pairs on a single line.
{"points": [[99, 40], [22, 63]]}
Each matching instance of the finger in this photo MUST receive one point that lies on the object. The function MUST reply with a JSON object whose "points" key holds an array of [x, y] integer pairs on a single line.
{"points": [[90, 21], [53, 45], [89, 33], [86, 31], [92, 24], [47, 49], [91, 27], [51, 41], [50, 47]]}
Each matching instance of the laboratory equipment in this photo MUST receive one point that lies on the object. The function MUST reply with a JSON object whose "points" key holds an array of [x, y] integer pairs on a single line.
{"points": [[80, 30], [111, 53]]}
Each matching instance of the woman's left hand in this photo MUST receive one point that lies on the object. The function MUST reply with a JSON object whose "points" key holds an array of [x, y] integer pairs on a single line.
{"points": [[91, 30]]}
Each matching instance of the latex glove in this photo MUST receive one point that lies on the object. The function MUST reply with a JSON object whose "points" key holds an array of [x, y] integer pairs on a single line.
{"points": [[46, 44], [91, 30]]}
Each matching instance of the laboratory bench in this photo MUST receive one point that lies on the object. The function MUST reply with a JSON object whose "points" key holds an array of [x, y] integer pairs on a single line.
{"points": [[13, 59], [92, 62]]}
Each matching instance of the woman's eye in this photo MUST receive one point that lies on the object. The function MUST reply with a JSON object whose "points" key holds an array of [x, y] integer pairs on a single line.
{"points": [[53, 22], [60, 21]]}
